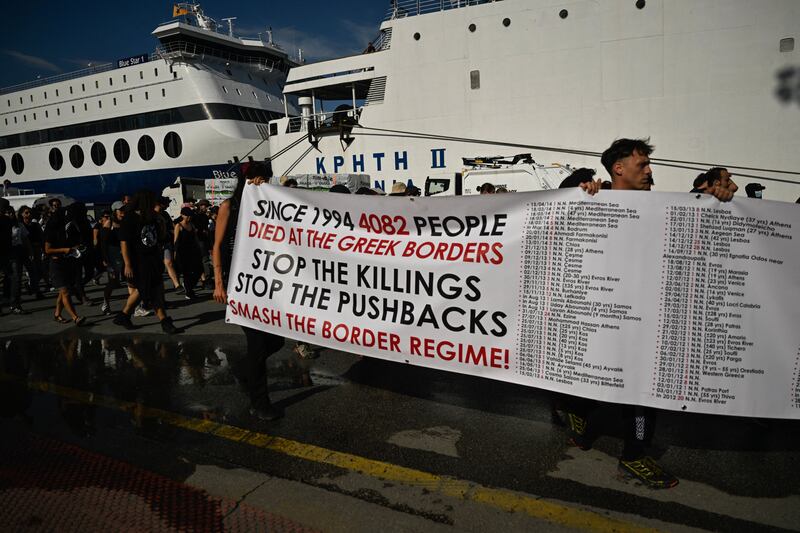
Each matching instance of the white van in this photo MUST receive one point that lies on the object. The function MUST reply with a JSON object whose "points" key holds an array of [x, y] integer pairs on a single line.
{"points": [[518, 174]]}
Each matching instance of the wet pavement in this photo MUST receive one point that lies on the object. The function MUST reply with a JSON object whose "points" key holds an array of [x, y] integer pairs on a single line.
{"points": [[366, 442]]}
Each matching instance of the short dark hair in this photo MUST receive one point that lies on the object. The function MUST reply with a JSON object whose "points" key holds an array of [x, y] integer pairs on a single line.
{"points": [[290, 182], [581, 175], [622, 148], [699, 180], [714, 174], [256, 169], [487, 187]]}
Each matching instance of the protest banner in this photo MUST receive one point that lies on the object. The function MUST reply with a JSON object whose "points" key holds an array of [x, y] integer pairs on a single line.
{"points": [[669, 300]]}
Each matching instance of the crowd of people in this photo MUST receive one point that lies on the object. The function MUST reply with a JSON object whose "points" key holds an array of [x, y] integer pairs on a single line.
{"points": [[51, 248], [136, 244]]}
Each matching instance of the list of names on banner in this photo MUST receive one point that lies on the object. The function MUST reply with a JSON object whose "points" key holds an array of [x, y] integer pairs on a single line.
{"points": [[669, 300]]}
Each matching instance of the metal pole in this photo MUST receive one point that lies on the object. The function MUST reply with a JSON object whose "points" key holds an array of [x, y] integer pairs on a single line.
{"points": [[354, 98], [285, 107]]}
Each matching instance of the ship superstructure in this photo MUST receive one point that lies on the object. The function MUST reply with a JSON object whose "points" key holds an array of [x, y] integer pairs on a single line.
{"points": [[190, 109], [710, 82]]}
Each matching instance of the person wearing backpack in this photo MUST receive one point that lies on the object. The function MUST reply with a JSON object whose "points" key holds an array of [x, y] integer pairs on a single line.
{"points": [[142, 237]]}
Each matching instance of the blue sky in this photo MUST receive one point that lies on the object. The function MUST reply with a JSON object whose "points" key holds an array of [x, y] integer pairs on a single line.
{"points": [[50, 38]]}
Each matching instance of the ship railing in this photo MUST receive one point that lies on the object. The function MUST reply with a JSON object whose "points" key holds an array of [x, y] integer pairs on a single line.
{"points": [[188, 50], [94, 69], [318, 120], [13, 191], [410, 8]]}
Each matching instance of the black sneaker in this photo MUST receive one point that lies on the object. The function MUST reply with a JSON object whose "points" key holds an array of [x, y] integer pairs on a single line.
{"points": [[168, 327], [124, 320], [648, 473], [267, 413], [577, 430]]}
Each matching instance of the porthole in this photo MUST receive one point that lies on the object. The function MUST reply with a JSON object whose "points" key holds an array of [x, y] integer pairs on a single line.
{"points": [[17, 164], [640, 4], [147, 148], [417, 36], [472, 28], [76, 156], [2, 167], [98, 153], [506, 22], [173, 145], [122, 151], [563, 13], [56, 159]]}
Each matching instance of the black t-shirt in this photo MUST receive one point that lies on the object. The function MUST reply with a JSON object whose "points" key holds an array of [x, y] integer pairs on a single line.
{"points": [[5, 235], [60, 235], [200, 221], [145, 239], [35, 233]]}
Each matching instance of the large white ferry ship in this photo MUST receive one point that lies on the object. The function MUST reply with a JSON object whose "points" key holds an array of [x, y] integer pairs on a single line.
{"points": [[191, 109], [710, 82]]}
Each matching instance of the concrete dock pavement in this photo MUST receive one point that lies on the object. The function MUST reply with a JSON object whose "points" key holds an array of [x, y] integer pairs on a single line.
{"points": [[365, 444]]}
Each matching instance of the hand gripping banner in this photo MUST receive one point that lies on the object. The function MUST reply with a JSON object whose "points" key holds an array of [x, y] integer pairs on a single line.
{"points": [[669, 300]]}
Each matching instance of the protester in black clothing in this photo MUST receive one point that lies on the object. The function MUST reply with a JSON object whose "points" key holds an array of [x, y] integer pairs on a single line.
{"points": [[80, 230], [628, 163], [63, 247], [260, 344], [111, 253], [169, 247], [142, 237], [200, 220], [188, 256], [36, 239]]}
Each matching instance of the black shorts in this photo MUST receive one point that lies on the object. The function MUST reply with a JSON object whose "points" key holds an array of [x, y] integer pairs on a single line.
{"points": [[64, 272]]}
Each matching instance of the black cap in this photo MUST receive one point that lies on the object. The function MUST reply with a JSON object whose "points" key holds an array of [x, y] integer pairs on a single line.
{"points": [[752, 188]]}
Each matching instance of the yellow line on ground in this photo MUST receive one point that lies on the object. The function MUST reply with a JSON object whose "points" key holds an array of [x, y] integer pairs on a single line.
{"points": [[505, 500]]}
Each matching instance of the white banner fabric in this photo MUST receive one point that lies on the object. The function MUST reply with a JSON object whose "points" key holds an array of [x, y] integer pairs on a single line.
{"points": [[669, 300]]}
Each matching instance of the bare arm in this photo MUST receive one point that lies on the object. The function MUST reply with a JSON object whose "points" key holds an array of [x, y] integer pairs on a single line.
{"points": [[216, 252], [49, 250], [126, 257]]}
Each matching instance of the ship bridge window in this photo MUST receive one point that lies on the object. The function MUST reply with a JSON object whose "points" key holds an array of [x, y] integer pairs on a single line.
{"points": [[56, 93], [173, 145], [238, 92], [124, 78], [122, 151], [20, 99], [58, 111], [146, 95], [45, 95], [15, 120], [164, 93], [130, 97], [98, 153], [46, 114], [17, 163], [70, 89], [225, 89], [2, 167], [100, 104], [787, 45], [96, 84], [56, 159], [9, 103], [147, 148], [76, 156], [155, 72], [34, 116], [114, 101], [31, 98], [83, 87], [85, 106], [141, 74], [110, 82], [24, 118]]}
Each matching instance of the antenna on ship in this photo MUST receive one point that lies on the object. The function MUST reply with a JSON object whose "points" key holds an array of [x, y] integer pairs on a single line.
{"points": [[230, 20]]}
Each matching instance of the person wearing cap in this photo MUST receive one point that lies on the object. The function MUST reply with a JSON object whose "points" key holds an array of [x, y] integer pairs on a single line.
{"points": [[260, 344], [753, 190]]}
